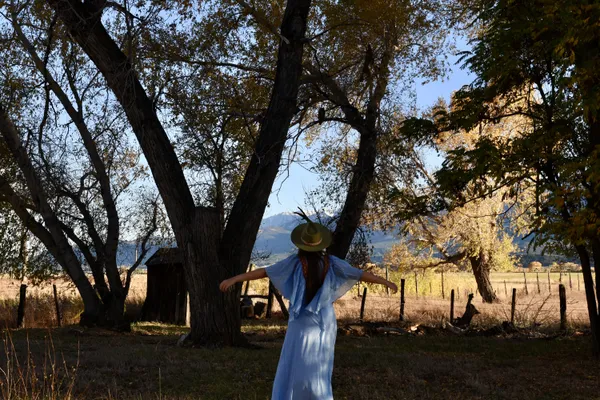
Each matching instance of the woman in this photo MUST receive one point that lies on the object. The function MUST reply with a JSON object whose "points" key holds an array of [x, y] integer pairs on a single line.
{"points": [[312, 280]]}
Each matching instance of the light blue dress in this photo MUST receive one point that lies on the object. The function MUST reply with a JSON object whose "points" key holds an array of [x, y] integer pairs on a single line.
{"points": [[306, 361]]}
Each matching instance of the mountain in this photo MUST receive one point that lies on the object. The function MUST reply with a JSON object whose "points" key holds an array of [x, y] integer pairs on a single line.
{"points": [[274, 238], [286, 220], [126, 253]]}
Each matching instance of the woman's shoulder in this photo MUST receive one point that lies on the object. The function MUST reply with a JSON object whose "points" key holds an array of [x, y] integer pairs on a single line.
{"points": [[292, 259], [335, 259]]}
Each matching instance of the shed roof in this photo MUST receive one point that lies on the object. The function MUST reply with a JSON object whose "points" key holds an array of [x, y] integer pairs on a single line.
{"points": [[164, 256]]}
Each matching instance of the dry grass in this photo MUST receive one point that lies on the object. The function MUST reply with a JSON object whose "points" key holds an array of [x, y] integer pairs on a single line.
{"points": [[40, 311], [428, 307], [146, 364], [532, 308], [26, 375]]}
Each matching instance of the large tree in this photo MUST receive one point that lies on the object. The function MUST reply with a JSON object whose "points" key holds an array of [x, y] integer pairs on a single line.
{"points": [[217, 114], [471, 237], [537, 60], [65, 185], [479, 233], [363, 89], [210, 253]]}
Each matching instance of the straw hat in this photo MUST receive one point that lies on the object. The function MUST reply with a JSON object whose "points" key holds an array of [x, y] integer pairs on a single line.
{"points": [[310, 236]]}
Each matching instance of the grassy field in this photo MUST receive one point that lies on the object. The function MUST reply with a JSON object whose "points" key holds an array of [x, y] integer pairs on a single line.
{"points": [[426, 305], [146, 364], [70, 362]]}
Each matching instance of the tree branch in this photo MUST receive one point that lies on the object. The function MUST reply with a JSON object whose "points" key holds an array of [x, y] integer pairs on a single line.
{"points": [[109, 249], [144, 246], [89, 32], [262, 20]]}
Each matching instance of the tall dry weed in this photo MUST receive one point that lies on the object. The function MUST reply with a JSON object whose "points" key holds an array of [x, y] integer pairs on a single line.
{"points": [[22, 378]]}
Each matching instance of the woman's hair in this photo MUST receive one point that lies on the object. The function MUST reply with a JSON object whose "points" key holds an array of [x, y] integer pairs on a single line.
{"points": [[313, 277]]}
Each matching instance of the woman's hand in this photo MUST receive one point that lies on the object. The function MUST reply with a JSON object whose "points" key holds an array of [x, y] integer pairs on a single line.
{"points": [[369, 277], [392, 286], [226, 284], [248, 276]]}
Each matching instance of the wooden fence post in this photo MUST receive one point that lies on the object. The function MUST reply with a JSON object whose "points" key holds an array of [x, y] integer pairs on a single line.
{"points": [[537, 277], [562, 293], [549, 285], [505, 290], [402, 281], [188, 314], [387, 278], [282, 306], [443, 293], [512, 306], [362, 304], [570, 282], [21, 308], [526, 289], [56, 305], [452, 306], [416, 285], [578, 287], [248, 282], [269, 300]]}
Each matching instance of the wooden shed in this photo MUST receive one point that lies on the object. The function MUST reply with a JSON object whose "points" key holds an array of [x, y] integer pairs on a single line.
{"points": [[166, 290]]}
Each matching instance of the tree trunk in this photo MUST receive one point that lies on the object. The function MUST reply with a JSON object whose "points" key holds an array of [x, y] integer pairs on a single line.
{"points": [[215, 316], [596, 257], [50, 233], [249, 207], [113, 312], [356, 199], [363, 172], [590, 297], [481, 271]]}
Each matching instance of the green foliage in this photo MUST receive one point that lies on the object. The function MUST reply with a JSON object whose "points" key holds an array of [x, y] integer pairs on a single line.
{"points": [[537, 77], [370, 53], [21, 254], [406, 258], [565, 267], [359, 255], [447, 239]]}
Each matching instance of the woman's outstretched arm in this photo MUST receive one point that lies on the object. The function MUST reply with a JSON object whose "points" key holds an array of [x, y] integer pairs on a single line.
{"points": [[371, 278], [248, 276]]}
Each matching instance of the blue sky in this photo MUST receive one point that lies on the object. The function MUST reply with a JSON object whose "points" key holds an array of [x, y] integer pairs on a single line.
{"points": [[288, 191]]}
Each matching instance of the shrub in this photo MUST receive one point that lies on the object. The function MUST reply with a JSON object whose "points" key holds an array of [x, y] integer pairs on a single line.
{"points": [[535, 266]]}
